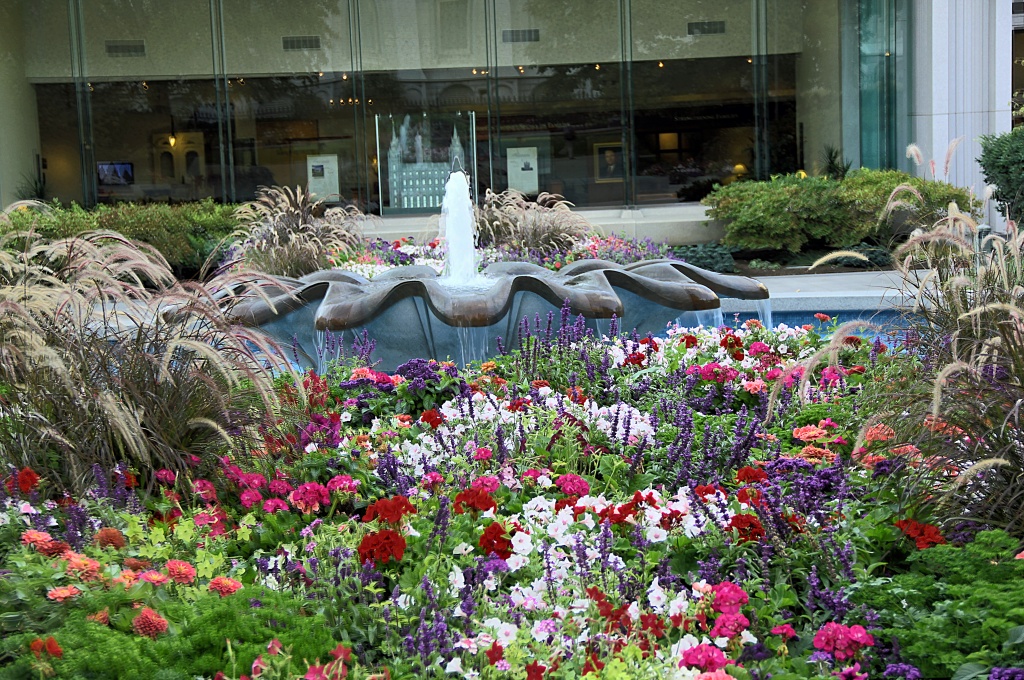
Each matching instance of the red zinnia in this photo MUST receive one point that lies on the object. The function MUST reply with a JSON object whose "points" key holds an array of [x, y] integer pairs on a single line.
{"points": [[149, 624], [924, 535], [223, 585]]}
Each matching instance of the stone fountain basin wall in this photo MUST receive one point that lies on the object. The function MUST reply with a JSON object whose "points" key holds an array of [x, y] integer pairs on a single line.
{"points": [[410, 312]]}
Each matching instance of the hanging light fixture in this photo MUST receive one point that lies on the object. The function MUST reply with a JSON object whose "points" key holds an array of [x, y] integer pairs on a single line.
{"points": [[172, 140]]}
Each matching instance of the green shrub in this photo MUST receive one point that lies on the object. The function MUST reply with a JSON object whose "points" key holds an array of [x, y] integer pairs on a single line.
{"points": [[185, 234], [712, 256], [789, 212], [1002, 161]]}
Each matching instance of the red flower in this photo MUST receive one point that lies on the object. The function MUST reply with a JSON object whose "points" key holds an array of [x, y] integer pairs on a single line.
{"points": [[730, 341], [223, 585], [535, 671], [706, 491], [494, 540], [635, 359], [576, 395], [689, 341], [391, 510], [26, 480], [432, 417], [474, 499], [496, 653], [650, 341], [49, 646], [748, 526], [924, 535], [382, 546], [751, 475], [149, 624]]}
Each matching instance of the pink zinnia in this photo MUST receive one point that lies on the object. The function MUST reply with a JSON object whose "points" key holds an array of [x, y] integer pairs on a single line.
{"points": [[154, 577], [223, 585], [181, 572]]}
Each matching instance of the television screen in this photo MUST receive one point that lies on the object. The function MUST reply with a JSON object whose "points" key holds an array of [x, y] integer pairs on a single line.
{"points": [[115, 173]]}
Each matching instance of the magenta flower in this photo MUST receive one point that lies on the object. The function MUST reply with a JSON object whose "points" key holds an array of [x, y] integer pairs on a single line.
{"points": [[729, 597], [343, 483], [572, 485], [165, 476], [705, 657], [281, 487], [487, 483], [273, 505], [309, 497], [250, 497]]}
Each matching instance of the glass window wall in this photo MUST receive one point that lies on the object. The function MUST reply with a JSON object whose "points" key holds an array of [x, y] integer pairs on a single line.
{"points": [[609, 103]]}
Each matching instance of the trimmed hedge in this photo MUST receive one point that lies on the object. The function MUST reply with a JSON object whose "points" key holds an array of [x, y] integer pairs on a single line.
{"points": [[1002, 161], [787, 212], [185, 233]]}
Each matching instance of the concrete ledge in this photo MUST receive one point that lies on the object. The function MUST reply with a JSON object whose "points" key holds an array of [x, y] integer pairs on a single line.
{"points": [[675, 224]]}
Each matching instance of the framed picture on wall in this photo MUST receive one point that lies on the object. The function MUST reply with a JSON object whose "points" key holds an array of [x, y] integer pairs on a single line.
{"points": [[608, 162]]}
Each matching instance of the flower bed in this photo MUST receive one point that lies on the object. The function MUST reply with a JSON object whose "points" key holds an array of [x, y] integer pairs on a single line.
{"points": [[710, 504]]}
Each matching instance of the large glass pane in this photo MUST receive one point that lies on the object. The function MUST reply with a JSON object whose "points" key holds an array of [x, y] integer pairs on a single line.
{"points": [[558, 104], [695, 81], [424, 71], [156, 132], [292, 98], [884, 82], [803, 98]]}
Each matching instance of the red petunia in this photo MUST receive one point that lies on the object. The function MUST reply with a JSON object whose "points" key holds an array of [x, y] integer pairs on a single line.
{"points": [[391, 510], [494, 540], [535, 671], [689, 341], [924, 535], [382, 546], [495, 654], [706, 491]]}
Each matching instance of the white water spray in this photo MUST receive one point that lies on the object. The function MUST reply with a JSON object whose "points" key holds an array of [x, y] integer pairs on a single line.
{"points": [[460, 267]]}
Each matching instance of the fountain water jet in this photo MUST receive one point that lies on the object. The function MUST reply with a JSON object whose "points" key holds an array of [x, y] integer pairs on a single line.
{"points": [[412, 312]]}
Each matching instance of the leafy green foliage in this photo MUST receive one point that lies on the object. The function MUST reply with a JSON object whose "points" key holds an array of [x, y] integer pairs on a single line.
{"points": [[712, 256], [954, 606], [789, 212], [1002, 161], [185, 234]]}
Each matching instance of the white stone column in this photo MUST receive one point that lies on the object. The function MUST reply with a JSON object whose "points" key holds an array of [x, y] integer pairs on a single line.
{"points": [[962, 64]]}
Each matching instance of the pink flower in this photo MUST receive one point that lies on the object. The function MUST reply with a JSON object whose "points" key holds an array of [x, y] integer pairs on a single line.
{"points": [[223, 585], [572, 485], [487, 483], [165, 476], [250, 497], [343, 483], [705, 657], [482, 453], [842, 641], [273, 505], [205, 490], [729, 597], [252, 480], [754, 386], [154, 577], [729, 625], [281, 487], [785, 630], [757, 348], [309, 497], [181, 572], [431, 480]]}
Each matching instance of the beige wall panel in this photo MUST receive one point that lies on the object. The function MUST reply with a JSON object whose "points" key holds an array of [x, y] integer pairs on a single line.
{"points": [[19, 125], [45, 31], [819, 81], [422, 34]]}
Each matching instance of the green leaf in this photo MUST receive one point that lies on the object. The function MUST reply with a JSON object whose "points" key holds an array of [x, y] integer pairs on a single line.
{"points": [[1014, 636], [969, 671]]}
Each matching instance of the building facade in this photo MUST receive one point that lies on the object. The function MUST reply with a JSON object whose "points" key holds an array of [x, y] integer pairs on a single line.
{"points": [[632, 109]]}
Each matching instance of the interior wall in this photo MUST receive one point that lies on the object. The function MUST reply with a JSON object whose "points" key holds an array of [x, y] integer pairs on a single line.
{"points": [[819, 101], [18, 113]]}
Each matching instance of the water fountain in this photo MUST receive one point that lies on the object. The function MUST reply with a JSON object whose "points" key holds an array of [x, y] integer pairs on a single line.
{"points": [[412, 311]]}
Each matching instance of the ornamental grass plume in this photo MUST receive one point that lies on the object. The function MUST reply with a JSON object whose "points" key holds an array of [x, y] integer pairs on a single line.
{"points": [[143, 369], [149, 624]]}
